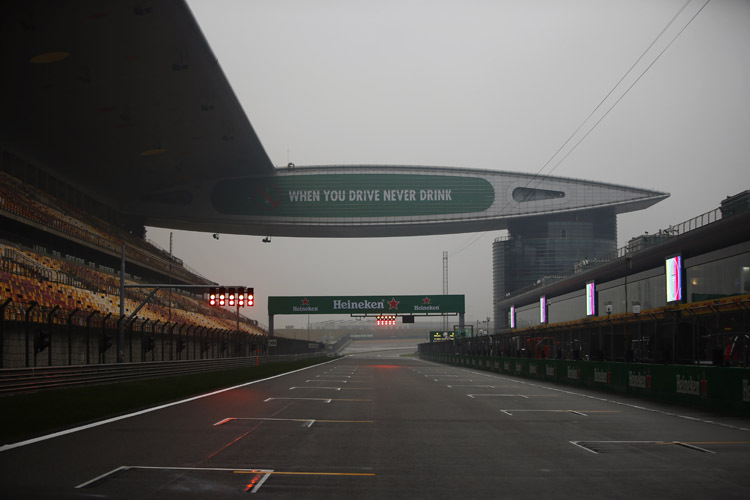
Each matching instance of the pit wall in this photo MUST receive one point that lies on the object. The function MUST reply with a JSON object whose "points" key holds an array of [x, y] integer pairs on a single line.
{"points": [[708, 387]]}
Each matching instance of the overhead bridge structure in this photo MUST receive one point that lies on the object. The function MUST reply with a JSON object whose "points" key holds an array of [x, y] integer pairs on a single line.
{"points": [[376, 201], [152, 134]]}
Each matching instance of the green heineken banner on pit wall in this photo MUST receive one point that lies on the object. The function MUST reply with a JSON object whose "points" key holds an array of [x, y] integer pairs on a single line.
{"points": [[353, 195], [371, 304]]}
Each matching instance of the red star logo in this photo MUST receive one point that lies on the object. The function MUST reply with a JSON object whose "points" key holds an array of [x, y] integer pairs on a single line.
{"points": [[426, 300], [305, 301], [393, 303]]}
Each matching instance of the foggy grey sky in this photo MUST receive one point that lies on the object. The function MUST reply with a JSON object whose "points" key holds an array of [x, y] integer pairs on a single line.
{"points": [[493, 84]]}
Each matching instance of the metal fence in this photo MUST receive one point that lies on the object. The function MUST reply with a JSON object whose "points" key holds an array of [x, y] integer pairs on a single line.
{"points": [[32, 336]]}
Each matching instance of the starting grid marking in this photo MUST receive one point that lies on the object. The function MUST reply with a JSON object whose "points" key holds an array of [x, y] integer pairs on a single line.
{"points": [[261, 475], [583, 413], [318, 387], [524, 396], [333, 388], [252, 488], [607, 400], [684, 444], [325, 400], [483, 386], [306, 422]]}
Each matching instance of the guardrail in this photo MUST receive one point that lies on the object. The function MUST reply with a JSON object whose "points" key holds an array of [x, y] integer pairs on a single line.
{"points": [[20, 380]]}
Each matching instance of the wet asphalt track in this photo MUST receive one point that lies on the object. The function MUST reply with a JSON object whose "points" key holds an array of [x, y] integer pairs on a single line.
{"points": [[381, 425]]}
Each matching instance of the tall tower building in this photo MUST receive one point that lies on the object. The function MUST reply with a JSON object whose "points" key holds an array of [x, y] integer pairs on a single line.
{"points": [[547, 246]]}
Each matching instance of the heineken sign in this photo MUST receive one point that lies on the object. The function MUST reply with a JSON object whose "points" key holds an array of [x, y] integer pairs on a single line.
{"points": [[382, 304], [353, 195]]}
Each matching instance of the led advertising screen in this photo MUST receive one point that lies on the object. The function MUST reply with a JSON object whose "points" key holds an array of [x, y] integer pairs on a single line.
{"points": [[543, 309], [590, 299], [512, 316], [674, 278]]}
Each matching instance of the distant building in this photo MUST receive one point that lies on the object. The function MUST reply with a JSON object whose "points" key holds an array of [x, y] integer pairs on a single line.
{"points": [[545, 248]]}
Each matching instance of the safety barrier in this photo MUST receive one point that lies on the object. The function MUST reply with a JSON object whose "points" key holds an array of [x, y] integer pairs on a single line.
{"points": [[18, 380], [708, 387]]}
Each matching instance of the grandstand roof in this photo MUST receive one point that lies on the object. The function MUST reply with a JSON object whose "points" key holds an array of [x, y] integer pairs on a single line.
{"points": [[126, 102], [119, 98]]}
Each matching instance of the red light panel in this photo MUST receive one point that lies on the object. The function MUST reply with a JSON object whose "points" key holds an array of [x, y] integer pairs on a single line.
{"points": [[250, 299], [386, 319]]}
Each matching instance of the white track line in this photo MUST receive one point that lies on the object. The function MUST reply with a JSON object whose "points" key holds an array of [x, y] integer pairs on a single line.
{"points": [[582, 444], [576, 443], [147, 467], [472, 396], [316, 387], [99, 478], [693, 447], [148, 410], [507, 412], [260, 483], [299, 399]]}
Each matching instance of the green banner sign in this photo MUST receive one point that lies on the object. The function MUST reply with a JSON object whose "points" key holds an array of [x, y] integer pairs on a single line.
{"points": [[372, 304], [353, 195]]}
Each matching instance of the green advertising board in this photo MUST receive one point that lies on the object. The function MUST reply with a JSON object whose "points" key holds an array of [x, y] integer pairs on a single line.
{"points": [[368, 304], [353, 195]]}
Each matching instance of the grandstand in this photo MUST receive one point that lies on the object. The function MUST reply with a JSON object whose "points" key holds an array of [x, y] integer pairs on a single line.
{"points": [[59, 288]]}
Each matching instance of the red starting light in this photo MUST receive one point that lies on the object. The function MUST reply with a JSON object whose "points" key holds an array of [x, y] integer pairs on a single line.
{"points": [[386, 320], [232, 297]]}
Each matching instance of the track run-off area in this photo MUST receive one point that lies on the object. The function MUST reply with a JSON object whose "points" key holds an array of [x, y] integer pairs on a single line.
{"points": [[384, 424]]}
